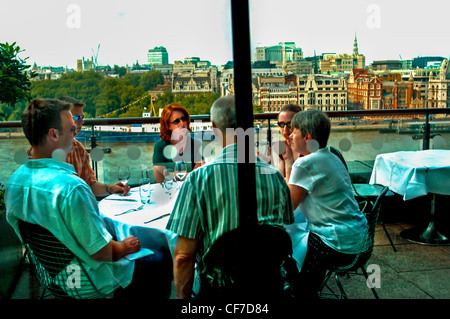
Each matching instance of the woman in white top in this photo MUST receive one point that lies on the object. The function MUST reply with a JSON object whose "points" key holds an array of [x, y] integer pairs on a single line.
{"points": [[321, 187]]}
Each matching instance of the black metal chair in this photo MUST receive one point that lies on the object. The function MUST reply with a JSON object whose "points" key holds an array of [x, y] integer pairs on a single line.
{"points": [[364, 253], [57, 268], [250, 262], [366, 193]]}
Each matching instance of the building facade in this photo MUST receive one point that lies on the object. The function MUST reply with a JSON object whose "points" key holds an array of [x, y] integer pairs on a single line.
{"points": [[199, 81], [364, 90], [438, 87], [343, 62], [325, 92], [158, 55], [284, 51]]}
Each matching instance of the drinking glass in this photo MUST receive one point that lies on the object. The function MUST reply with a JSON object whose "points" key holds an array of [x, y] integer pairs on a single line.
{"points": [[145, 191], [145, 174], [123, 174], [168, 185], [180, 171]]}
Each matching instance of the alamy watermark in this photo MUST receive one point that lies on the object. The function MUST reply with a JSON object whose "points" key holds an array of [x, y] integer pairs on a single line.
{"points": [[374, 18], [74, 276], [374, 276], [73, 20]]}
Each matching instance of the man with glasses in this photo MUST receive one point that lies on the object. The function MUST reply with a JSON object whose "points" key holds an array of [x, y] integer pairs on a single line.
{"points": [[79, 157]]}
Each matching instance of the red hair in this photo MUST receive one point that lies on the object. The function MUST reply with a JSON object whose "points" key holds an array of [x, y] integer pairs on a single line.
{"points": [[164, 132]]}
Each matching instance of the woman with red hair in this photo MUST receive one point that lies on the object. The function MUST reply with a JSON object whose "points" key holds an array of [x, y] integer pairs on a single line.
{"points": [[175, 144]]}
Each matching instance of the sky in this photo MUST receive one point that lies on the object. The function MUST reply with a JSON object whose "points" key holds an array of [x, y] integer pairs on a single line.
{"points": [[58, 32]]}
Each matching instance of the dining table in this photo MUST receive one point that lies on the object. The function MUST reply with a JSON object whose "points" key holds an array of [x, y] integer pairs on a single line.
{"points": [[413, 174], [126, 215]]}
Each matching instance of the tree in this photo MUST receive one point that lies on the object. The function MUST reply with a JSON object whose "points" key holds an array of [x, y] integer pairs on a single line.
{"points": [[120, 70], [14, 82], [149, 80]]}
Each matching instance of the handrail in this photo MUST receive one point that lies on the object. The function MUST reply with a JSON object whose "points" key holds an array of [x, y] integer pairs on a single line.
{"points": [[265, 116], [257, 116]]}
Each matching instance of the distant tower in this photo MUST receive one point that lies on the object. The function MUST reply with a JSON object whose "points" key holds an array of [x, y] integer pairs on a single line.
{"points": [[355, 46], [410, 91]]}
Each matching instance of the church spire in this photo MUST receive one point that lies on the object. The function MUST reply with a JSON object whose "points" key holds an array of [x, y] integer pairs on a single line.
{"points": [[355, 46]]}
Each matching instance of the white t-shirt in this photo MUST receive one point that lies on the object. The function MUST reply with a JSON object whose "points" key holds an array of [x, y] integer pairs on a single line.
{"points": [[330, 207]]}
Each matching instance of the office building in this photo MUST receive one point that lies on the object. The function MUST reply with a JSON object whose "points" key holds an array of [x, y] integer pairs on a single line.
{"points": [[158, 55]]}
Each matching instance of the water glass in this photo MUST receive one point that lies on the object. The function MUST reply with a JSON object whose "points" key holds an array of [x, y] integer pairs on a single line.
{"points": [[145, 191], [168, 184]]}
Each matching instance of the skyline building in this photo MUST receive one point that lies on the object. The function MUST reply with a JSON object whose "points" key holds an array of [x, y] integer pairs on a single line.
{"points": [[158, 56], [284, 51]]}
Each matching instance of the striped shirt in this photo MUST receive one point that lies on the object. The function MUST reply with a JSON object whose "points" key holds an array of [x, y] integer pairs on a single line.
{"points": [[208, 203], [79, 158]]}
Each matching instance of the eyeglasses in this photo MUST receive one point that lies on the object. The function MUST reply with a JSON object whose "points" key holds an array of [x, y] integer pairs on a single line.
{"points": [[77, 117], [283, 124], [177, 121]]}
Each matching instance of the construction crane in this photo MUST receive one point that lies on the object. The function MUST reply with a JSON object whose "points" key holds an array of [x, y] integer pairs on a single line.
{"points": [[95, 56]]}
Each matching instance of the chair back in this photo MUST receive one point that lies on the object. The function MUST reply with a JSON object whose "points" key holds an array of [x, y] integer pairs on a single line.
{"points": [[56, 267], [371, 212], [248, 262], [336, 152]]}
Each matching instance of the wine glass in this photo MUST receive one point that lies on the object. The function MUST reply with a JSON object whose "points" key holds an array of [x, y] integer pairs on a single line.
{"points": [[145, 191], [180, 171], [168, 185], [123, 174]]}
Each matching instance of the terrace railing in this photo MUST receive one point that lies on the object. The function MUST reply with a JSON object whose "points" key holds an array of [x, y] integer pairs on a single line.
{"points": [[268, 121]]}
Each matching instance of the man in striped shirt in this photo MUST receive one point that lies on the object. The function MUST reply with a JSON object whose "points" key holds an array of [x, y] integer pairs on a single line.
{"points": [[79, 157], [208, 204]]}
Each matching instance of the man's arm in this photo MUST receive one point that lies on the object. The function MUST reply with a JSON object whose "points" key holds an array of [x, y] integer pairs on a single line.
{"points": [[100, 189], [115, 250], [184, 266]]}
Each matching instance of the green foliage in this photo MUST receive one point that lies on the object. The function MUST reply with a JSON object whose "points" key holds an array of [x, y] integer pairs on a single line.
{"points": [[125, 96], [14, 82], [257, 108], [195, 104], [102, 95]]}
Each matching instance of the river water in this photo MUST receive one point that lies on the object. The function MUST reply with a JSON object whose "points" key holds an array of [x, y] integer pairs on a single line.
{"points": [[355, 145]]}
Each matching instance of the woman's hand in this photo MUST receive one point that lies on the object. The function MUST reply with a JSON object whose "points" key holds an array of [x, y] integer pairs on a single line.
{"points": [[198, 164]]}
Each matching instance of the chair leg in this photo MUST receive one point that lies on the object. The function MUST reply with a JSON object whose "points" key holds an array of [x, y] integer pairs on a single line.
{"points": [[324, 282], [372, 288], [341, 288]]}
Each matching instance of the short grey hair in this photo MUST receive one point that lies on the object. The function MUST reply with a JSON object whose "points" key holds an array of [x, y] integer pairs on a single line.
{"points": [[223, 113], [315, 122]]}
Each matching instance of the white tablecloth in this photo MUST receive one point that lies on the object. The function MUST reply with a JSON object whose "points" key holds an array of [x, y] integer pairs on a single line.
{"points": [[414, 173], [152, 235]]}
